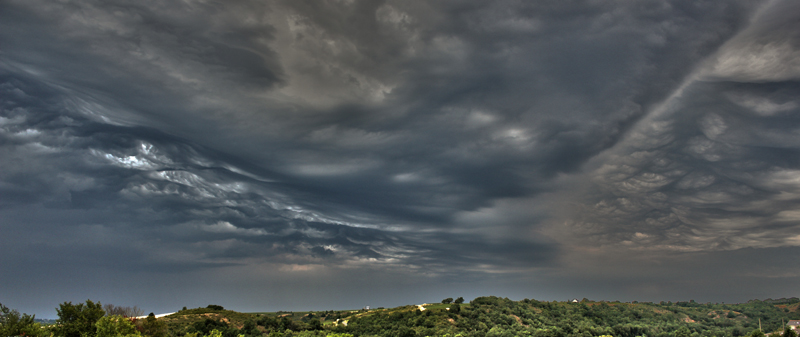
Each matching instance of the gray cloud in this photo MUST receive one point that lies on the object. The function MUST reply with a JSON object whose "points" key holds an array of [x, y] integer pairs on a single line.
{"points": [[712, 168], [479, 146]]}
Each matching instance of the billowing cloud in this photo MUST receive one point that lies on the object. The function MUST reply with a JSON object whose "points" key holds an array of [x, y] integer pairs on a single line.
{"points": [[479, 146], [701, 173]]}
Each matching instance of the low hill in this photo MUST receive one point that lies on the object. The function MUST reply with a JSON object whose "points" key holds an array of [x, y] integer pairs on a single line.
{"points": [[494, 316]]}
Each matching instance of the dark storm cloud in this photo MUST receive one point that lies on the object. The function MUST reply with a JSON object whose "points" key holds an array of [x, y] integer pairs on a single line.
{"points": [[448, 140], [492, 97], [712, 174], [139, 183], [713, 168]]}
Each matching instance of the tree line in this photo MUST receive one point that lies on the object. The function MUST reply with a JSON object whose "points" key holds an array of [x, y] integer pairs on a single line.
{"points": [[482, 317], [89, 319]]}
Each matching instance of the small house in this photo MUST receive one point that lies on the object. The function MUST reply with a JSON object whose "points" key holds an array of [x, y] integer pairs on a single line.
{"points": [[793, 324]]}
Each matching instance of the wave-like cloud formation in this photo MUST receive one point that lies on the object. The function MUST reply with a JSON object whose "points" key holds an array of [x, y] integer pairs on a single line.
{"points": [[713, 167], [473, 145]]}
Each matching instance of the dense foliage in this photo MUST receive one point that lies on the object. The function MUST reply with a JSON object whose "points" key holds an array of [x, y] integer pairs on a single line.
{"points": [[78, 320], [482, 317], [116, 326], [12, 323]]}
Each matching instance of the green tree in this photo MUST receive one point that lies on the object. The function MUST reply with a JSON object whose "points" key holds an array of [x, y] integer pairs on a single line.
{"points": [[250, 329], [116, 326], [683, 332], [405, 332], [447, 300], [315, 324], [756, 333], [12, 323], [459, 300], [152, 327], [205, 326], [789, 333], [78, 320]]}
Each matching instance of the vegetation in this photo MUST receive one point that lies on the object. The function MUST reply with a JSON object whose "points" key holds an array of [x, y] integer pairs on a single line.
{"points": [[78, 320], [482, 317], [111, 310], [153, 327], [116, 326], [12, 323]]}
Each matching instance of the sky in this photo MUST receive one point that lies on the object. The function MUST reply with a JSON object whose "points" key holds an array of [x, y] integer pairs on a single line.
{"points": [[270, 155]]}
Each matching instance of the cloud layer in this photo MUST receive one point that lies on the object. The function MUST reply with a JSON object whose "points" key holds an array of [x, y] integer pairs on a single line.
{"points": [[351, 147]]}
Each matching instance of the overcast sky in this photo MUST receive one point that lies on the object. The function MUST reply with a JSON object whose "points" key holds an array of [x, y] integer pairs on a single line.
{"points": [[289, 155]]}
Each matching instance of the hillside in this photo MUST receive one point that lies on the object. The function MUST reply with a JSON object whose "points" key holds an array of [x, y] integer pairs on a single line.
{"points": [[494, 316]]}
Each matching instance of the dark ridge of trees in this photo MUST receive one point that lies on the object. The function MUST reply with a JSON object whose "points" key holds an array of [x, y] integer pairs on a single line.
{"points": [[790, 300]]}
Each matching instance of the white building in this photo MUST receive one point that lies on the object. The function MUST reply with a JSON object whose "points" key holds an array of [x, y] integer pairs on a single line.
{"points": [[794, 324]]}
